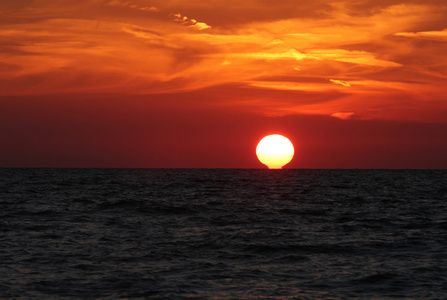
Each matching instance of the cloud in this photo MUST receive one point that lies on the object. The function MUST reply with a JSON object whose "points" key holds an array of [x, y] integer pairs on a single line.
{"points": [[290, 54], [147, 8], [193, 23], [351, 56], [152, 38], [289, 86], [433, 35], [199, 25], [130, 4], [344, 115], [341, 82]]}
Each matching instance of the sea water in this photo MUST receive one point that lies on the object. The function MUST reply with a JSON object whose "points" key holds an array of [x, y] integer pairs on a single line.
{"points": [[223, 234]]}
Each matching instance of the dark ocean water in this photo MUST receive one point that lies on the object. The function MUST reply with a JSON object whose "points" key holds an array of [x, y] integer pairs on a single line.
{"points": [[223, 234]]}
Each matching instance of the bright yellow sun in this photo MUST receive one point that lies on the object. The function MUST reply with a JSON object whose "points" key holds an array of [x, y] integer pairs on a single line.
{"points": [[275, 151]]}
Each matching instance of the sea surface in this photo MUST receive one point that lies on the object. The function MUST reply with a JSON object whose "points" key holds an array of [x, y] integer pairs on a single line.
{"points": [[223, 234]]}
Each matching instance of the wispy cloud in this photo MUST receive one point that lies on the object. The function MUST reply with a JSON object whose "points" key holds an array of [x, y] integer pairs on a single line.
{"points": [[349, 56], [341, 82], [344, 115], [193, 23], [130, 4], [434, 35], [290, 54]]}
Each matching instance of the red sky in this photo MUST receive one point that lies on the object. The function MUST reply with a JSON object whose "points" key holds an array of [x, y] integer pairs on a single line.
{"points": [[151, 83]]}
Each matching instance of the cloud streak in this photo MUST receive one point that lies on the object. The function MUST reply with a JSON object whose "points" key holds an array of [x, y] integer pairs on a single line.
{"points": [[344, 115], [435, 35], [130, 4], [192, 23], [341, 82]]}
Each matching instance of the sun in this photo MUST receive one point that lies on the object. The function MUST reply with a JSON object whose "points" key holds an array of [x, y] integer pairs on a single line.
{"points": [[275, 151]]}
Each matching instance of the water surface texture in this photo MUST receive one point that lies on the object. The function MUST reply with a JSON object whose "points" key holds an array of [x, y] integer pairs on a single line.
{"points": [[223, 234]]}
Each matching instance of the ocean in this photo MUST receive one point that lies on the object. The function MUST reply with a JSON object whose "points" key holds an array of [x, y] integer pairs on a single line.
{"points": [[223, 234]]}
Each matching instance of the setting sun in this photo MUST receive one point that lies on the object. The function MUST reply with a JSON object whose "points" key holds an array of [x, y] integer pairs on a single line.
{"points": [[275, 151]]}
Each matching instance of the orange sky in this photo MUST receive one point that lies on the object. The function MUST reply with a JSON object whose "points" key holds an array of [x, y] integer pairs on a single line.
{"points": [[122, 83]]}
